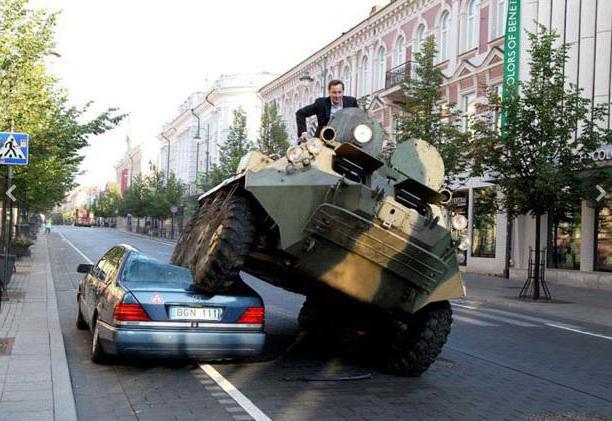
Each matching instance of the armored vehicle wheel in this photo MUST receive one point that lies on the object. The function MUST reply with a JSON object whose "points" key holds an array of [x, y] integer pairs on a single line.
{"points": [[415, 340], [183, 242], [226, 237]]}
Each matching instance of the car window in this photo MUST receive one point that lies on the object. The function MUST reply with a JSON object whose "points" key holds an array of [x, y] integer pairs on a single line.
{"points": [[98, 270], [144, 269], [112, 263]]}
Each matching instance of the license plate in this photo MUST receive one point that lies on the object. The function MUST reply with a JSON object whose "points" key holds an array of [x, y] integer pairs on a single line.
{"points": [[196, 313]]}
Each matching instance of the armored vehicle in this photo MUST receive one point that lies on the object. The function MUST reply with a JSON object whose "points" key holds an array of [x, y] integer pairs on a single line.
{"points": [[362, 235]]}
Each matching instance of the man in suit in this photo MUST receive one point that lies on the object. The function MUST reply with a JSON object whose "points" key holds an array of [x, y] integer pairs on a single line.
{"points": [[324, 108]]}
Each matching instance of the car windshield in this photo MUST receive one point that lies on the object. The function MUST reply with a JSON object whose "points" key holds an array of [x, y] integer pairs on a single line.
{"points": [[143, 269]]}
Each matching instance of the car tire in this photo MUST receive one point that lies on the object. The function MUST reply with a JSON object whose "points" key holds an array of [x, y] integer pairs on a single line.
{"points": [[225, 238], [415, 340], [98, 355], [81, 324]]}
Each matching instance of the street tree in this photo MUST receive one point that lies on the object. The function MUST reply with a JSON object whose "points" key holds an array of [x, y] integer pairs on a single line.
{"points": [[235, 147], [31, 101], [538, 163], [427, 115], [272, 132], [134, 199]]}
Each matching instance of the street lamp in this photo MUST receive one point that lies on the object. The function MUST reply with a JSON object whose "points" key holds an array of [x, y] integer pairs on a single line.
{"points": [[306, 79], [172, 130]]}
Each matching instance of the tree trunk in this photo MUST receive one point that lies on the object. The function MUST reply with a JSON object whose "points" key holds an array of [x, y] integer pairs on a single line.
{"points": [[508, 246], [536, 275]]}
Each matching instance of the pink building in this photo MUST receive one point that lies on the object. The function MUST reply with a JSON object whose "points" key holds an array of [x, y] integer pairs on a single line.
{"points": [[374, 56]]}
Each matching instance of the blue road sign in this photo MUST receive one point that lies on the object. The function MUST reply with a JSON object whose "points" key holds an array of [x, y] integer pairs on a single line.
{"points": [[14, 148]]}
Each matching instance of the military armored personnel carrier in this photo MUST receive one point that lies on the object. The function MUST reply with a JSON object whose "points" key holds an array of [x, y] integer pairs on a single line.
{"points": [[362, 236]]}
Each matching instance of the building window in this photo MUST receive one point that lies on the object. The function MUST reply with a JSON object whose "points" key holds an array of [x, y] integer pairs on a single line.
{"points": [[473, 24], [564, 242], [347, 80], [603, 238], [500, 18], [363, 77], [484, 221], [381, 68], [467, 105], [420, 38], [399, 52], [444, 34]]}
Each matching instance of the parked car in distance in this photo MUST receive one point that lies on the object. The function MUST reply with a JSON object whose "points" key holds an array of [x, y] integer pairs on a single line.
{"points": [[136, 305]]}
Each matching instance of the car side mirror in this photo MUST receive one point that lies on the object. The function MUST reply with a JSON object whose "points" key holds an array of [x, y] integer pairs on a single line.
{"points": [[84, 268]]}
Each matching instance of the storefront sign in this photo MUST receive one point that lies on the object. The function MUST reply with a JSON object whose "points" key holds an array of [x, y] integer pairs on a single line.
{"points": [[512, 47], [602, 154]]}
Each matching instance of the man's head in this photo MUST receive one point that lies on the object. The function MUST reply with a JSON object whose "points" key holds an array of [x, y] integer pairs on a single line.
{"points": [[335, 88]]}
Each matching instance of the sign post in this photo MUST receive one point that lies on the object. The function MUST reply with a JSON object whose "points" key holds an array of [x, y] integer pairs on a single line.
{"points": [[14, 149], [173, 210]]}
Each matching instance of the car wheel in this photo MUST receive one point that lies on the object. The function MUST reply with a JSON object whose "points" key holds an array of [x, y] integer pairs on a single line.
{"points": [[81, 324], [98, 355], [225, 239], [415, 340]]}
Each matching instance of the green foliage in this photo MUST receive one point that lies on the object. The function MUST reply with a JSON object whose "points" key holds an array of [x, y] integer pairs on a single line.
{"points": [[427, 116], [230, 152], [551, 130], [31, 102], [272, 132], [152, 196], [107, 204]]}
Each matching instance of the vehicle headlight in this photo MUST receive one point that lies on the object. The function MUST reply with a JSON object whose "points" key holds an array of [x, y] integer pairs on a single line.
{"points": [[295, 154], [464, 243], [459, 222], [460, 258], [313, 145], [362, 133]]}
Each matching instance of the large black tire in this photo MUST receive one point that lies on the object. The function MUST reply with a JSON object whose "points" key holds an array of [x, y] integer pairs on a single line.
{"points": [[225, 238], [415, 340], [184, 241]]}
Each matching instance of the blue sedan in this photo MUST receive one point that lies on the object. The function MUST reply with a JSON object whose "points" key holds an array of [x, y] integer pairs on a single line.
{"points": [[136, 305]]}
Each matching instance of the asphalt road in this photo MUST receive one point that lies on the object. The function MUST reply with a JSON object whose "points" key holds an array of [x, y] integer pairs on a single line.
{"points": [[497, 364]]}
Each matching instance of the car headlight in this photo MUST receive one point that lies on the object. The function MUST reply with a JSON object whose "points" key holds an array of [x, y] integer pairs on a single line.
{"points": [[362, 133], [459, 222], [464, 243], [295, 154], [313, 145]]}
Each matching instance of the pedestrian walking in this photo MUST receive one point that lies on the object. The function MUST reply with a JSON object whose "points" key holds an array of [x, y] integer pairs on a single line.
{"points": [[48, 226]]}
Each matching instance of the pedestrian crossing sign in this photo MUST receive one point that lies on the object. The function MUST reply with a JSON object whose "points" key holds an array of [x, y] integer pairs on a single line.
{"points": [[14, 148]]}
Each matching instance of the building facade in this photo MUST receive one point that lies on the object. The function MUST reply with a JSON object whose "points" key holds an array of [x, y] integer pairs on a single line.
{"points": [[129, 166], [189, 144], [373, 58]]}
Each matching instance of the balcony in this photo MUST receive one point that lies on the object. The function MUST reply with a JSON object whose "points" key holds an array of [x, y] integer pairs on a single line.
{"points": [[398, 74]]}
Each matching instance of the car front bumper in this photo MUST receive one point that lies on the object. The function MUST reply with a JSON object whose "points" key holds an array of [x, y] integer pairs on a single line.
{"points": [[220, 341]]}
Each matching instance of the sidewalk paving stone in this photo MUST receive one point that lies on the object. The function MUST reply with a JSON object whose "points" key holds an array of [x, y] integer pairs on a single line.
{"points": [[34, 378]]}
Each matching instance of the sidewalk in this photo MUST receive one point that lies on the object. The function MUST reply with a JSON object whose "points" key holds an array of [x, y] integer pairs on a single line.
{"points": [[34, 377], [572, 303]]}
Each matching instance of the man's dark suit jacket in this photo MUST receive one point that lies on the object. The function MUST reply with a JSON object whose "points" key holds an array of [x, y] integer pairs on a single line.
{"points": [[322, 108]]}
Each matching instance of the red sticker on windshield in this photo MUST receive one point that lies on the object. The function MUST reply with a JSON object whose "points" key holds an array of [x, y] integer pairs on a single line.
{"points": [[157, 299]]}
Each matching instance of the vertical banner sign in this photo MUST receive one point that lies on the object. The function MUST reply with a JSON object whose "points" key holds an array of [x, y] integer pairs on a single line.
{"points": [[512, 47]]}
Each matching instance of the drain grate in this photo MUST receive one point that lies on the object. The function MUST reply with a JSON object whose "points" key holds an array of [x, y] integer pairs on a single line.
{"points": [[6, 346]]}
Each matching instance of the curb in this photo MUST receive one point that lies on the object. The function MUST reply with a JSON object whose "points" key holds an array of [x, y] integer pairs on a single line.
{"points": [[64, 407]]}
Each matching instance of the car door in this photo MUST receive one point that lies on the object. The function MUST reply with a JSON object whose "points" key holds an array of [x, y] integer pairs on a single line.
{"points": [[106, 288], [90, 286]]}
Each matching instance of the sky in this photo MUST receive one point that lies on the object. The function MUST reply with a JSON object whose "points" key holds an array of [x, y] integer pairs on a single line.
{"points": [[147, 57]]}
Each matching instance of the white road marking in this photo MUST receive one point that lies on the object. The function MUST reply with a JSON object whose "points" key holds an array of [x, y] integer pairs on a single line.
{"points": [[579, 331], [503, 319], [512, 314], [231, 390], [75, 248], [472, 321]]}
